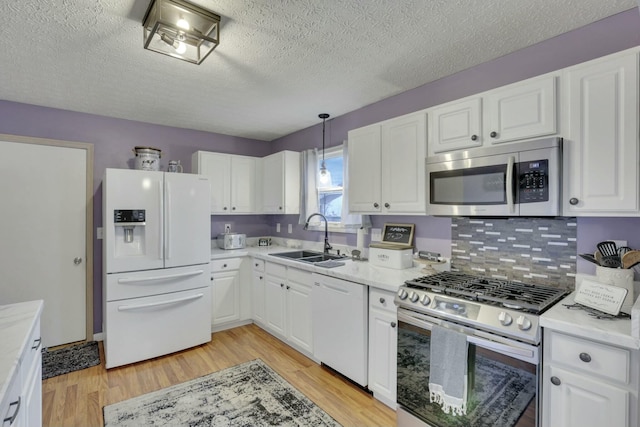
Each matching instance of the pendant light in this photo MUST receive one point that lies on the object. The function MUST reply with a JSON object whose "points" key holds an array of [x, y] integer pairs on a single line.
{"points": [[325, 176]]}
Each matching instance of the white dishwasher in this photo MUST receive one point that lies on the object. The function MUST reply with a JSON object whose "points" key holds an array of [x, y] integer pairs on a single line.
{"points": [[340, 330]]}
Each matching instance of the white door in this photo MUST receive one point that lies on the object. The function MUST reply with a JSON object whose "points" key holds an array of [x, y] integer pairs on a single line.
{"points": [[578, 401], [601, 147], [217, 167], [455, 126], [364, 170], [272, 183], [274, 304], [124, 191], [43, 221], [299, 314], [521, 110], [225, 297], [243, 184], [187, 219], [404, 150]]}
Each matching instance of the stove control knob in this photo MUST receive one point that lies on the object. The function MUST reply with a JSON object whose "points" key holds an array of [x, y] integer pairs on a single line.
{"points": [[413, 297], [523, 323], [402, 294], [425, 300], [504, 318]]}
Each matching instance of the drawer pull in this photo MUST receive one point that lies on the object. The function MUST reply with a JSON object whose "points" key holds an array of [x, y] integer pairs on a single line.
{"points": [[393, 324], [555, 381], [585, 357], [224, 266], [36, 343], [381, 300], [12, 418]]}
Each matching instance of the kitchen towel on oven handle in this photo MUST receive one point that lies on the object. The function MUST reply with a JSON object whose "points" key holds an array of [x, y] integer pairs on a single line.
{"points": [[448, 379]]}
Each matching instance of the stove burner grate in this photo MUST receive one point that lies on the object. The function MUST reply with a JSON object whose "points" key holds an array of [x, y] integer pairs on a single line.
{"points": [[516, 295]]}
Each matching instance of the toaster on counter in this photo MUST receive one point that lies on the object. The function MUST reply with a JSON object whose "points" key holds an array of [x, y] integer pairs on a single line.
{"points": [[232, 241]]}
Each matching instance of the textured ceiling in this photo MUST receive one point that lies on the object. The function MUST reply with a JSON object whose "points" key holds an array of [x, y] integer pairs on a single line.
{"points": [[279, 64]]}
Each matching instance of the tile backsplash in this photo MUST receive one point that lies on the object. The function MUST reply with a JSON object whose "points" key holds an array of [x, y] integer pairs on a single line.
{"points": [[532, 250]]}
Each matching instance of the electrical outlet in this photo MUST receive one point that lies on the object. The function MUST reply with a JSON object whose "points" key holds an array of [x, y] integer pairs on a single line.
{"points": [[376, 234], [227, 228], [99, 233], [277, 227], [290, 228]]}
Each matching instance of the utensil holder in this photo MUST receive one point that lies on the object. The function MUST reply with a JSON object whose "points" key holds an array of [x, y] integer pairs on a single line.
{"points": [[620, 277]]}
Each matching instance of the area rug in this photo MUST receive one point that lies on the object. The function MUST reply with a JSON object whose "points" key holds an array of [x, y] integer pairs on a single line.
{"points": [[500, 396], [250, 394], [69, 359]]}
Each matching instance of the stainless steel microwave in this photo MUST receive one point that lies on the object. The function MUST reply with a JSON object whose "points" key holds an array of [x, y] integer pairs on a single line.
{"points": [[518, 179]]}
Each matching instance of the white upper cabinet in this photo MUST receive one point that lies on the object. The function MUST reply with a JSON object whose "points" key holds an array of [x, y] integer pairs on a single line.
{"points": [[518, 111], [387, 166], [521, 111], [281, 183], [601, 142], [456, 125], [364, 169], [232, 178]]}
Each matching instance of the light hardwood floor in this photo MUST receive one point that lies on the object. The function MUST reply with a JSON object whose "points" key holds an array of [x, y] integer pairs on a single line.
{"points": [[77, 398]]}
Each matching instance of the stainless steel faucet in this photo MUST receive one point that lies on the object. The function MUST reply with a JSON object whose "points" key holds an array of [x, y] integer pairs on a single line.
{"points": [[327, 246]]}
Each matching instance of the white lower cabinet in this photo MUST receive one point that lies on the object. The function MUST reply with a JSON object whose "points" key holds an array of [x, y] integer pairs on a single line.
{"points": [[587, 383], [229, 294], [257, 291], [21, 405], [287, 304], [383, 336]]}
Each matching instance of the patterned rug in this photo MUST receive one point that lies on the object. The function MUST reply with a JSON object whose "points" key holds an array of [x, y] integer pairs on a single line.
{"points": [[500, 396], [250, 394], [69, 359]]}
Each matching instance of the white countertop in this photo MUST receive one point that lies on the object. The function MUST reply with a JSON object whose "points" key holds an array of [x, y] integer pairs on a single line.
{"points": [[16, 323], [579, 323], [356, 271]]}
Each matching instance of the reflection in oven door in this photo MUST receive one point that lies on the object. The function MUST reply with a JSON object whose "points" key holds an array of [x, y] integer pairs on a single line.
{"points": [[502, 389]]}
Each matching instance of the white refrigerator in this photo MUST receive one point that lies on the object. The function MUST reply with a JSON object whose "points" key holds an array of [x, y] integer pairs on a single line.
{"points": [[156, 251]]}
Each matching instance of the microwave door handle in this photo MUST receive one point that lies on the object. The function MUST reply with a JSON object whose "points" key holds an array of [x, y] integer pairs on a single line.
{"points": [[509, 184]]}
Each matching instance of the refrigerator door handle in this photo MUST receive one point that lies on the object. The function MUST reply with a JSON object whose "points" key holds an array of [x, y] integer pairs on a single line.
{"points": [[167, 227], [161, 223], [157, 304], [126, 280]]}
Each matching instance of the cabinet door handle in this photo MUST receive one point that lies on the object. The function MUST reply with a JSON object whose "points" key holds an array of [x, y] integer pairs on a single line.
{"points": [[224, 265], [585, 357], [282, 285], [474, 137], [257, 264], [493, 134], [555, 381], [36, 343], [260, 277], [573, 201], [393, 324], [212, 279], [225, 208], [382, 300], [386, 205], [288, 287], [375, 205], [12, 418]]}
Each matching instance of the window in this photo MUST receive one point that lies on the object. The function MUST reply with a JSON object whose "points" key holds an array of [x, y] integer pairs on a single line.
{"points": [[330, 190]]}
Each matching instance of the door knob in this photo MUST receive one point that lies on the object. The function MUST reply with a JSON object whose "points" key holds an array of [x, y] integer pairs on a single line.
{"points": [[573, 201], [375, 205], [493, 134], [77, 260], [386, 205], [555, 381], [474, 137]]}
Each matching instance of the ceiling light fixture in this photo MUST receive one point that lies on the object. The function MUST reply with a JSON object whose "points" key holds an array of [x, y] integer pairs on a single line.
{"points": [[181, 29], [325, 175]]}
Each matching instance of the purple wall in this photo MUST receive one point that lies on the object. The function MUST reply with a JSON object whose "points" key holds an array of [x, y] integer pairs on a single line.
{"points": [[114, 139]]}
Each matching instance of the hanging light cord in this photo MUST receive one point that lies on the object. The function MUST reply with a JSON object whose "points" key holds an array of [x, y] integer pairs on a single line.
{"points": [[324, 117]]}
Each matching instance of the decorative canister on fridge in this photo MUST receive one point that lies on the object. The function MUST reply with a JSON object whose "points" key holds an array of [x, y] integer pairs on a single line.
{"points": [[147, 158]]}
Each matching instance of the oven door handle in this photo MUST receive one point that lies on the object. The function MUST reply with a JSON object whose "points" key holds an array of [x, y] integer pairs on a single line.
{"points": [[471, 337], [510, 184]]}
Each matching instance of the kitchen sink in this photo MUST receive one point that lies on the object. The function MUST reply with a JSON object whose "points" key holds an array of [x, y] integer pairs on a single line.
{"points": [[308, 256]]}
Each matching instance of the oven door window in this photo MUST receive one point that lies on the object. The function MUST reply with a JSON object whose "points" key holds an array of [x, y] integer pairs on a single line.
{"points": [[502, 390]]}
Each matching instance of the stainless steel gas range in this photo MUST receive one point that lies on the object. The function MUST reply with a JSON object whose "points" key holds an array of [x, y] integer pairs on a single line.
{"points": [[501, 321]]}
